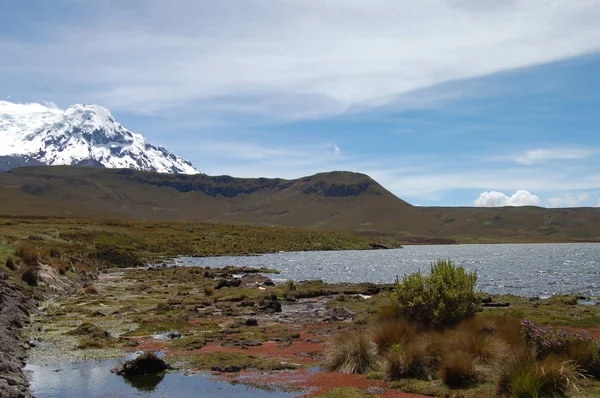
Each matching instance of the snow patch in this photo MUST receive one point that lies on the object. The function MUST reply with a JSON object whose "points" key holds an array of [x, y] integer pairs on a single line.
{"points": [[81, 132]]}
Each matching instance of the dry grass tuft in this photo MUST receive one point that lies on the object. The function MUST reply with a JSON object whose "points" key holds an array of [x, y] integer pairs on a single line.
{"points": [[483, 348], [350, 353], [457, 369], [414, 360], [522, 376], [586, 355], [386, 334], [91, 289]]}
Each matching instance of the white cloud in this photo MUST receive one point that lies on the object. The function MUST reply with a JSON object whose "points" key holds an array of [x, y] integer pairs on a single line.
{"points": [[568, 200], [498, 199], [543, 155], [336, 150], [288, 58]]}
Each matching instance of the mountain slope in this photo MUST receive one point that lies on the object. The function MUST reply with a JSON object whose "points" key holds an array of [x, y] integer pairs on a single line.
{"points": [[337, 200], [81, 135]]}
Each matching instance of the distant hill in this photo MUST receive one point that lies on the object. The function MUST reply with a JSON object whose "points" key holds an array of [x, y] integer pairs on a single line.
{"points": [[336, 200], [517, 224]]}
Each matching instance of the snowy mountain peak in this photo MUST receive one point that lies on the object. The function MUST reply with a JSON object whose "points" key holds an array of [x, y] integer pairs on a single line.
{"points": [[79, 135]]}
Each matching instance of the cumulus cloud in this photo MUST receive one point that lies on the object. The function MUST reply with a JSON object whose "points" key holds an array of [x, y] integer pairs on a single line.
{"points": [[568, 200], [336, 150], [290, 58], [498, 199]]}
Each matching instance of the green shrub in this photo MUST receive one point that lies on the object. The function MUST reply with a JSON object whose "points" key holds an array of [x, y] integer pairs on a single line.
{"points": [[439, 300], [350, 353]]}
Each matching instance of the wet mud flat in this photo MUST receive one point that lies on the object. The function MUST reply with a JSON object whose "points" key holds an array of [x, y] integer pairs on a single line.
{"points": [[212, 326]]}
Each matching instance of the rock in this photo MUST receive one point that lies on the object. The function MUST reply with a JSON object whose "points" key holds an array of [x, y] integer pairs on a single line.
{"points": [[146, 364], [173, 334], [375, 390], [486, 300], [273, 306], [256, 280], [496, 305], [226, 368], [97, 314], [228, 283], [378, 246], [247, 303], [251, 322], [341, 313]]}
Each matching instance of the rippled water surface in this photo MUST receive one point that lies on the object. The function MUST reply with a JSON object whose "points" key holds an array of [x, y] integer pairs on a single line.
{"points": [[521, 269]]}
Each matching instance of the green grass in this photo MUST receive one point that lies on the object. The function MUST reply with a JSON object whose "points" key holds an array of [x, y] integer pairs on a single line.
{"points": [[345, 392], [206, 361], [123, 243]]}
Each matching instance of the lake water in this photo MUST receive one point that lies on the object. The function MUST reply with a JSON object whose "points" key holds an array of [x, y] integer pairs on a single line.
{"points": [[520, 269], [93, 379]]}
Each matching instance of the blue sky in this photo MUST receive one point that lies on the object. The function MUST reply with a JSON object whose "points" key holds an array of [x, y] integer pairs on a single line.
{"points": [[454, 103]]}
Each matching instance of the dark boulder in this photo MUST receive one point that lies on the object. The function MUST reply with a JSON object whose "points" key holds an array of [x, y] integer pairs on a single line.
{"points": [[228, 283], [273, 306], [146, 364]]}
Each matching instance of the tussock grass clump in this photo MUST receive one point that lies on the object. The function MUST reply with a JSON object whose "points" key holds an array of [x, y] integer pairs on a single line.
{"points": [[483, 348], [387, 312], [522, 376], [586, 354], [385, 334], [30, 275], [350, 353], [89, 330], [457, 369], [29, 254], [10, 264], [413, 360]]}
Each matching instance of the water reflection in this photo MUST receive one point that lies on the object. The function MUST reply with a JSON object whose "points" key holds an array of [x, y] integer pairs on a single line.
{"points": [[93, 379], [147, 383]]}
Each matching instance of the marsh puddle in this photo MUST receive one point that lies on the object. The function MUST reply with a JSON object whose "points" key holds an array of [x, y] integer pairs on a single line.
{"points": [[92, 378]]}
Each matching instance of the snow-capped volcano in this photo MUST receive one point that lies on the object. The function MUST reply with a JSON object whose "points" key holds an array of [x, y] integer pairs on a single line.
{"points": [[33, 134]]}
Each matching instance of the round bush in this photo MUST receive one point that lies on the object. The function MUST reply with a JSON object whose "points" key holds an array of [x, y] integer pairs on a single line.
{"points": [[440, 300]]}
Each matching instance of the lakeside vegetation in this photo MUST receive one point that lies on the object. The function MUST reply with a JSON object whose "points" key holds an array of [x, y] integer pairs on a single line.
{"points": [[74, 247], [364, 328], [428, 340], [421, 334]]}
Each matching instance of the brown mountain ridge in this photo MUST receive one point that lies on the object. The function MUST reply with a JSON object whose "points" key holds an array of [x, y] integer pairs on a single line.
{"points": [[335, 200]]}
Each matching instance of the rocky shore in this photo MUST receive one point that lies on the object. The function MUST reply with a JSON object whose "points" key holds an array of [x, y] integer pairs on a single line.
{"points": [[14, 314]]}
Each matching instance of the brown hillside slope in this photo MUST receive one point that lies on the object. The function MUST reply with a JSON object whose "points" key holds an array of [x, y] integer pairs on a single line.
{"points": [[336, 200], [506, 224]]}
